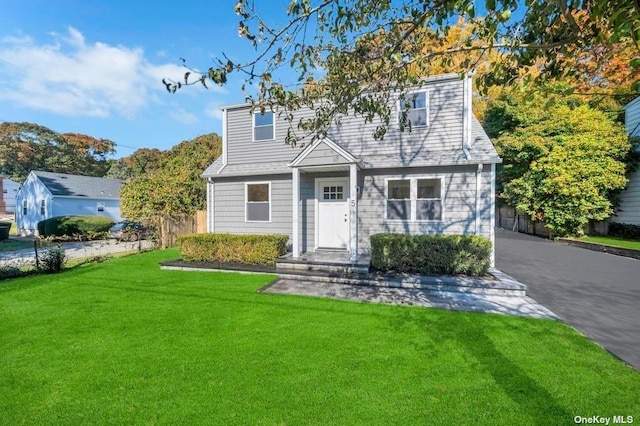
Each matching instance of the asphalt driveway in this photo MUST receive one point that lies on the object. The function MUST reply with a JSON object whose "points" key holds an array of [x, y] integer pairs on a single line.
{"points": [[597, 293]]}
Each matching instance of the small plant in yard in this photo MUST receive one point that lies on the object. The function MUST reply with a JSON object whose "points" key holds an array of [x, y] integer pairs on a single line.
{"points": [[52, 260]]}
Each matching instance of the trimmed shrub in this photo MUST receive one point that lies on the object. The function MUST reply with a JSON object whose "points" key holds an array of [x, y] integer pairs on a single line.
{"points": [[52, 260], [431, 254], [624, 230], [233, 248], [86, 227]]}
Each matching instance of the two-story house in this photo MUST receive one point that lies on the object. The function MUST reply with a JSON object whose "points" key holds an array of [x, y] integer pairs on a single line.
{"points": [[629, 210], [439, 177]]}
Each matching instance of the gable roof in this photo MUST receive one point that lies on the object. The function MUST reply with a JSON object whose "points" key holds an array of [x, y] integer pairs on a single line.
{"points": [[325, 149], [66, 185]]}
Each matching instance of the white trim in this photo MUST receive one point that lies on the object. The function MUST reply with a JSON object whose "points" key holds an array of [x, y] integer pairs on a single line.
{"points": [[316, 185], [353, 213], [331, 144], [295, 234], [399, 109], [246, 201], [478, 195], [253, 126], [493, 215], [225, 141], [466, 116], [413, 197], [211, 207]]}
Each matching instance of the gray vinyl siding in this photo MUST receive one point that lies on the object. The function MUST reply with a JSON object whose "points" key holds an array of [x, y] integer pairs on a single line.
{"points": [[321, 155], [459, 203], [629, 210], [444, 132], [242, 149], [229, 206]]}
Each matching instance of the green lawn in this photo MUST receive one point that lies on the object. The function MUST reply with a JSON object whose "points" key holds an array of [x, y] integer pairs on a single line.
{"points": [[122, 342], [612, 241]]}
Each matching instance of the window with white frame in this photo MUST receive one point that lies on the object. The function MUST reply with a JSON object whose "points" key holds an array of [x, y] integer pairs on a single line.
{"points": [[429, 199], [263, 126], [258, 202], [101, 206], [43, 207], [24, 207], [415, 106], [399, 199], [414, 199]]}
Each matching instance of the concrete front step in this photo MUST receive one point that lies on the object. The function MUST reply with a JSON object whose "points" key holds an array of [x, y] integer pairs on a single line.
{"points": [[290, 266], [502, 285]]}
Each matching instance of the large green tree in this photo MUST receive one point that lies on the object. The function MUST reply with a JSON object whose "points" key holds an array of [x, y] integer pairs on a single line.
{"points": [[142, 161], [174, 186], [28, 146], [350, 54], [563, 160]]}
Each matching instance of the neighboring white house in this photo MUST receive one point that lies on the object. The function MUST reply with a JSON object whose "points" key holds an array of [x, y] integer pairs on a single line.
{"points": [[8, 191], [436, 178], [629, 211], [45, 194]]}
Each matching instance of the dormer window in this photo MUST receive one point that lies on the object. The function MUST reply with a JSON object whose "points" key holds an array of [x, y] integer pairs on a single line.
{"points": [[416, 107], [263, 126]]}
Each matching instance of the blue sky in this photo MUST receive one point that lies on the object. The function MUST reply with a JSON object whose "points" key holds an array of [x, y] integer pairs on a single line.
{"points": [[95, 66]]}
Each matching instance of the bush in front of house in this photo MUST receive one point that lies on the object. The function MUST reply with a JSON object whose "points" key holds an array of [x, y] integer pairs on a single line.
{"points": [[233, 248], [78, 227], [624, 230], [431, 254]]}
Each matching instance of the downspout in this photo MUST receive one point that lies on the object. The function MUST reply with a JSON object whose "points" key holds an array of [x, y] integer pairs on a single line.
{"points": [[478, 195], [493, 215]]}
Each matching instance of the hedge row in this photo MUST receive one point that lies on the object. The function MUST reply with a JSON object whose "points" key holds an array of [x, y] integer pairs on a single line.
{"points": [[431, 254], [90, 227], [233, 248], [624, 230]]}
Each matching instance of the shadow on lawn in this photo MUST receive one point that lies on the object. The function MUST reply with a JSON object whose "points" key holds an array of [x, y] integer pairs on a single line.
{"points": [[469, 333]]}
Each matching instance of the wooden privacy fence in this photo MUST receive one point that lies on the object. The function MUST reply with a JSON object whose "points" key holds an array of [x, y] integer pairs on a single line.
{"points": [[508, 218], [170, 228]]}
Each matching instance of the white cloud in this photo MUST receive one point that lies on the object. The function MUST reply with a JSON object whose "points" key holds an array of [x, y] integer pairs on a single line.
{"points": [[213, 111], [182, 116], [74, 78]]}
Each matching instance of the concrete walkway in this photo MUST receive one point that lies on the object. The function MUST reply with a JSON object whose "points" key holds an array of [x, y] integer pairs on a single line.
{"points": [[522, 306], [597, 293]]}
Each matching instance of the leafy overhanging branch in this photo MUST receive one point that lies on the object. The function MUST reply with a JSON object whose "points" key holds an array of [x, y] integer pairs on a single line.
{"points": [[342, 50]]}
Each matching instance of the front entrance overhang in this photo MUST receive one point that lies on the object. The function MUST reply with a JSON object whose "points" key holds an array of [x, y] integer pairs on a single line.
{"points": [[324, 156]]}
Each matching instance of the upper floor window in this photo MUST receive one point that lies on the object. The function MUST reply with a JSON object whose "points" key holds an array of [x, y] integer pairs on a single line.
{"points": [[415, 106], [43, 207], [263, 126]]}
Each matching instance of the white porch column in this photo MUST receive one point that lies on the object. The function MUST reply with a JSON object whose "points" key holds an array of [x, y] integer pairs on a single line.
{"points": [[295, 205], [478, 196], [353, 209], [493, 215]]}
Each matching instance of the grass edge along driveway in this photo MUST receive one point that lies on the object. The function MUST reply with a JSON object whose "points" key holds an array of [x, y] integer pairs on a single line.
{"points": [[125, 342]]}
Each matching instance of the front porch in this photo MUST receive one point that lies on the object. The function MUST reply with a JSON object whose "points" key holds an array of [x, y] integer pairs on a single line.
{"points": [[328, 177]]}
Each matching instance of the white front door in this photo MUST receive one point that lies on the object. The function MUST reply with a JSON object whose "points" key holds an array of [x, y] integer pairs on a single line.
{"points": [[333, 213]]}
